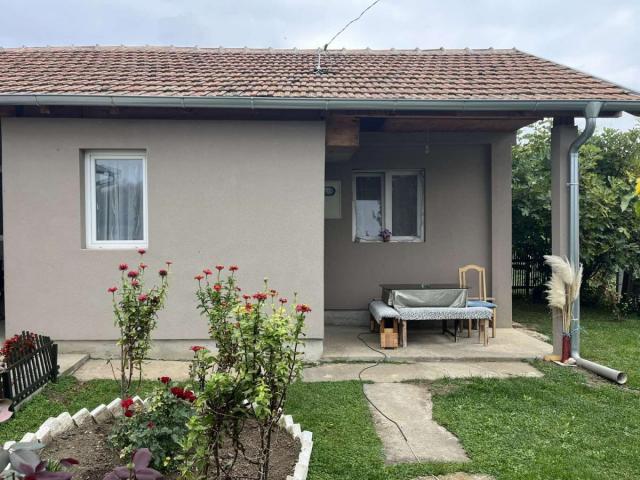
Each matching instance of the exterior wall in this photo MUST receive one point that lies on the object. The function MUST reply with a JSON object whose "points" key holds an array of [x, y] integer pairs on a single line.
{"points": [[462, 172], [248, 193]]}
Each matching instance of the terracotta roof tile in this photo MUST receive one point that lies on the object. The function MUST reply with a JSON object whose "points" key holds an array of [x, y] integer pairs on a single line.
{"points": [[385, 74]]}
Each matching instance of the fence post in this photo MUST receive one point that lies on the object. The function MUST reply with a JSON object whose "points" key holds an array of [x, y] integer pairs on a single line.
{"points": [[54, 362], [6, 385]]}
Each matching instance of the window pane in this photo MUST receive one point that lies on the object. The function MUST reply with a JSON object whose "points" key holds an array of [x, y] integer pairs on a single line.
{"points": [[368, 207], [119, 199], [404, 204]]}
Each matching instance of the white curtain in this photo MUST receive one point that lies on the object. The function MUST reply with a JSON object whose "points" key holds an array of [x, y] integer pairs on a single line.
{"points": [[119, 199]]}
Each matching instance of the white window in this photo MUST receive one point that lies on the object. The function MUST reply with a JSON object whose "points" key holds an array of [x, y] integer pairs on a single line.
{"points": [[116, 199], [391, 200]]}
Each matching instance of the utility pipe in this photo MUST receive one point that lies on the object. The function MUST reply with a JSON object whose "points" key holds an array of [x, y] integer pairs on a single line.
{"points": [[591, 114]]}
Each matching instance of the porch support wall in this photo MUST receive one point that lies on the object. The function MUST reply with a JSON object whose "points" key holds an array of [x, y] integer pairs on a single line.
{"points": [[563, 134], [501, 163]]}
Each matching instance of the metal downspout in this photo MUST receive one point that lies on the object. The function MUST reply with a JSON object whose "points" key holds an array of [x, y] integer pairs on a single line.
{"points": [[591, 114]]}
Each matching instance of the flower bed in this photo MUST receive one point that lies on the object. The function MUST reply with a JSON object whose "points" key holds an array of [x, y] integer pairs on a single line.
{"points": [[92, 427]]}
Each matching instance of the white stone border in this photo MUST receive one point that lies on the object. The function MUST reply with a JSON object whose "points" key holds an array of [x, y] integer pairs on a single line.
{"points": [[54, 426]]}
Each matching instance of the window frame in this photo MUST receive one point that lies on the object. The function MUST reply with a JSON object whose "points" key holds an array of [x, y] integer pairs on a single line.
{"points": [[387, 204], [91, 241]]}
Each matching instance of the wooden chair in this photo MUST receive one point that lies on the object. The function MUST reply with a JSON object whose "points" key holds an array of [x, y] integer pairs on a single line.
{"points": [[482, 300]]}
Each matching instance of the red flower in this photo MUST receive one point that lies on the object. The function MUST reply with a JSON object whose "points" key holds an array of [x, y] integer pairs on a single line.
{"points": [[260, 296], [135, 282], [133, 274], [207, 272], [199, 277], [248, 307], [128, 413], [197, 348], [302, 308], [151, 425], [162, 272], [143, 266], [189, 396], [123, 267], [219, 267], [165, 380], [112, 289], [246, 297], [143, 297], [169, 262], [217, 287], [142, 251], [283, 300], [126, 403], [177, 391], [233, 268]]}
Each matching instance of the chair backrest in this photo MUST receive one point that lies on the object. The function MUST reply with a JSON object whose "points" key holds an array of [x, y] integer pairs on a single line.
{"points": [[482, 279]]}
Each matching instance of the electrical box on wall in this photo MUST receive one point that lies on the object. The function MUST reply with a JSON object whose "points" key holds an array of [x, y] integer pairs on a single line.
{"points": [[332, 199]]}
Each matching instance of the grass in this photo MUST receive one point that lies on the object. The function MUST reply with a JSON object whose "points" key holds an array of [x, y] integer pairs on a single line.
{"points": [[604, 339], [68, 395]]}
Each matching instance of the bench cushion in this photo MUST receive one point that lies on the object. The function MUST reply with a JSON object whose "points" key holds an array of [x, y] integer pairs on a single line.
{"points": [[381, 310], [432, 313]]}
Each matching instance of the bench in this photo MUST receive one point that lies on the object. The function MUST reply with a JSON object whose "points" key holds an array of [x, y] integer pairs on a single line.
{"points": [[397, 318]]}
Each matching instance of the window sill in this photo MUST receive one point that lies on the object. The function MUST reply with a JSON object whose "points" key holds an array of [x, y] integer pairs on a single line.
{"points": [[116, 246], [393, 240]]}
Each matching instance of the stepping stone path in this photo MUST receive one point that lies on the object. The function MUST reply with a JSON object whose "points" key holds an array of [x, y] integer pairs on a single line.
{"points": [[410, 406]]}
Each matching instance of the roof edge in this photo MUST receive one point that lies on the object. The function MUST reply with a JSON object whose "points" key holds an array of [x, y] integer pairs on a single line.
{"points": [[300, 103]]}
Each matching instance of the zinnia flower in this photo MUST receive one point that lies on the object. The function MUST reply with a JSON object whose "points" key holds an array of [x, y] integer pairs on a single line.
{"points": [[112, 289], [143, 297], [142, 251], [283, 300], [177, 391], [123, 267], [248, 307], [246, 297], [273, 293], [302, 308], [217, 287], [135, 282], [169, 262], [233, 268], [219, 267], [126, 403], [207, 272], [196, 348], [133, 274], [162, 272], [165, 380], [199, 277], [143, 266], [260, 296]]}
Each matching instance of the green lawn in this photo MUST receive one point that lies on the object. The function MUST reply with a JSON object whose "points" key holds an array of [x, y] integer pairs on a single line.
{"points": [[604, 339]]}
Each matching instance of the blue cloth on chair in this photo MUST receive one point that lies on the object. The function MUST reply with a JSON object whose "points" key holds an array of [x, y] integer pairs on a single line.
{"points": [[481, 303]]}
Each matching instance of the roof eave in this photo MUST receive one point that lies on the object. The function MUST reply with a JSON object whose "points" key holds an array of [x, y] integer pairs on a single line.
{"points": [[295, 103]]}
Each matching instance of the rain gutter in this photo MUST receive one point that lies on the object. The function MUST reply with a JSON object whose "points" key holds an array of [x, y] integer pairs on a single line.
{"points": [[326, 104], [591, 113]]}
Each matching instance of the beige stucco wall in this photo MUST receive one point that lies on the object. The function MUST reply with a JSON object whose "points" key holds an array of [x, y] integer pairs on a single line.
{"points": [[249, 193], [459, 185]]}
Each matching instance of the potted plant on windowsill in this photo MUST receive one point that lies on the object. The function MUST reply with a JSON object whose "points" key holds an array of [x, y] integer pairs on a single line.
{"points": [[386, 235]]}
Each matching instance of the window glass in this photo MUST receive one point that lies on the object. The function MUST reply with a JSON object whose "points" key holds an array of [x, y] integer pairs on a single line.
{"points": [[368, 206], [404, 205]]}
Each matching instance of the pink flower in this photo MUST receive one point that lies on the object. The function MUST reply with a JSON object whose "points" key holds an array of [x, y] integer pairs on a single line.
{"points": [[260, 296], [217, 287], [142, 251], [112, 289], [162, 272], [219, 267], [207, 272], [233, 268], [143, 297], [143, 266], [283, 300], [198, 277], [135, 282], [302, 308], [123, 267], [196, 348], [169, 262], [133, 273]]}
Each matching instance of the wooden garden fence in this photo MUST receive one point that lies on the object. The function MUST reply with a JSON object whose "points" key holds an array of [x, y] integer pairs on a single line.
{"points": [[528, 273], [28, 367]]}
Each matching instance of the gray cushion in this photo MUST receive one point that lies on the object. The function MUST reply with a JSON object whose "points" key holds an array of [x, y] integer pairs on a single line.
{"points": [[430, 313], [381, 310]]}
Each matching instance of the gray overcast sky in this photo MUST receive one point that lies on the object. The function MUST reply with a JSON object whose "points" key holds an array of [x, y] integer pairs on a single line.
{"points": [[598, 36]]}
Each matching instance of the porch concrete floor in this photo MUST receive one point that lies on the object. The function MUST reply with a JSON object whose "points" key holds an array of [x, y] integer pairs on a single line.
{"points": [[341, 344]]}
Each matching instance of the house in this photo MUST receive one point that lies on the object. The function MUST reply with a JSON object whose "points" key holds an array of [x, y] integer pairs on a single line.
{"points": [[288, 163]]}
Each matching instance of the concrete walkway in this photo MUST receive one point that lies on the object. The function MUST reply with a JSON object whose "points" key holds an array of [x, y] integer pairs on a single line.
{"points": [[410, 407], [151, 370], [401, 372]]}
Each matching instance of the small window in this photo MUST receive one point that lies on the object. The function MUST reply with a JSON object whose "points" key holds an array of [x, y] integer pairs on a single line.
{"points": [[116, 199], [390, 200]]}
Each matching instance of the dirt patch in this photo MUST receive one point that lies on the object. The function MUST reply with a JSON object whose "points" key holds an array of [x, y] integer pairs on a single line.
{"points": [[89, 445]]}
